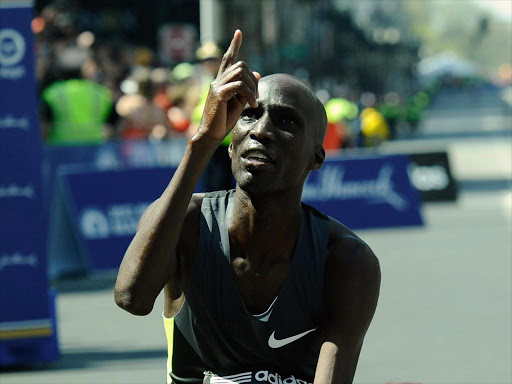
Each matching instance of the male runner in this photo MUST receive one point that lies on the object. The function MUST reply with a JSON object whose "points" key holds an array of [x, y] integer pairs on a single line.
{"points": [[262, 288]]}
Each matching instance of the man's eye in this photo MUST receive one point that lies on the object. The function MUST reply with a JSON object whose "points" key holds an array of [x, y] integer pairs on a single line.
{"points": [[288, 121], [248, 116]]}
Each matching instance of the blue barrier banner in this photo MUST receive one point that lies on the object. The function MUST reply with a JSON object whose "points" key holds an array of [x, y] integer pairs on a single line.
{"points": [[27, 324], [365, 192], [110, 155], [103, 208]]}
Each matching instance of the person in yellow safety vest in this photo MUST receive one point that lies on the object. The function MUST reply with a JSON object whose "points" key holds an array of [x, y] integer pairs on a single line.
{"points": [[75, 112], [218, 173], [339, 112], [374, 127]]}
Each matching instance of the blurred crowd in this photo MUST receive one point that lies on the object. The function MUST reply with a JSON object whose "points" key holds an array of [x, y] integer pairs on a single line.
{"points": [[367, 119], [94, 89]]}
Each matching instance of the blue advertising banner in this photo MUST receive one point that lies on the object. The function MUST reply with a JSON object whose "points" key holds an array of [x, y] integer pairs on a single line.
{"points": [[103, 208], [110, 155], [27, 322], [365, 192]]}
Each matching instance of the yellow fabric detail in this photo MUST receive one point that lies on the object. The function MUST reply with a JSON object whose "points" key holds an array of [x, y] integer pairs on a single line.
{"points": [[25, 333], [169, 334]]}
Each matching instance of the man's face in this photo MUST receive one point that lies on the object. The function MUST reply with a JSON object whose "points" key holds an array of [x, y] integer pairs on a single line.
{"points": [[273, 146]]}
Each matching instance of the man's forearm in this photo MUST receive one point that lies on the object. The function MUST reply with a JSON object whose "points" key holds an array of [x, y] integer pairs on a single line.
{"points": [[150, 260], [335, 367]]}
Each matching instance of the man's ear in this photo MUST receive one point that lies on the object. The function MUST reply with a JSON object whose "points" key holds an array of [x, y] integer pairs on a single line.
{"points": [[318, 158], [230, 150]]}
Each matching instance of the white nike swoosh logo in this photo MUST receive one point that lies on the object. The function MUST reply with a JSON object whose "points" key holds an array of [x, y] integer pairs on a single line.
{"points": [[273, 343]]}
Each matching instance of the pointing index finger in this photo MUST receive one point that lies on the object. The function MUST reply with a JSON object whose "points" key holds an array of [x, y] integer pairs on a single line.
{"points": [[237, 39], [232, 53]]}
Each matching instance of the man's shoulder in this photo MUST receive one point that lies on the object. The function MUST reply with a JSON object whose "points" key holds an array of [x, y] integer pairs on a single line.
{"points": [[345, 247], [192, 217], [351, 268], [193, 214], [195, 203]]}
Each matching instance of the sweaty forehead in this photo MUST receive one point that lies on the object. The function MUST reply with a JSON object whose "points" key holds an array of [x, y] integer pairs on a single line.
{"points": [[286, 90]]}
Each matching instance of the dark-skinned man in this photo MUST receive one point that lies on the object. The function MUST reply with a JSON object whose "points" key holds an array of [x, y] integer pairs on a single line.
{"points": [[260, 287]]}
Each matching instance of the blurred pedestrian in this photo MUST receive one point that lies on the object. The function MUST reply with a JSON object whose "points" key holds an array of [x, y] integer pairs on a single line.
{"points": [[374, 128], [75, 110], [183, 92], [141, 117], [339, 112], [392, 112]]}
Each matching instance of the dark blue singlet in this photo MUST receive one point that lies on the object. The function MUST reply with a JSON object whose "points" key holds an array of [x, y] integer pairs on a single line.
{"points": [[213, 330]]}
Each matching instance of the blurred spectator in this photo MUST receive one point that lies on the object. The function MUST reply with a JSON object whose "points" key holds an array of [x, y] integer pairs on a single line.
{"points": [[373, 127], [339, 112], [74, 110], [141, 117], [184, 96], [392, 112], [160, 80], [414, 110]]}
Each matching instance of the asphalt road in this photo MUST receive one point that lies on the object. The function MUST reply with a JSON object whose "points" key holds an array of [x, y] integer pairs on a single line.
{"points": [[445, 312]]}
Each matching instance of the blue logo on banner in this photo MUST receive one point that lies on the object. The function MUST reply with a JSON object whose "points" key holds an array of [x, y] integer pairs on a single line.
{"points": [[12, 46], [12, 52], [365, 192]]}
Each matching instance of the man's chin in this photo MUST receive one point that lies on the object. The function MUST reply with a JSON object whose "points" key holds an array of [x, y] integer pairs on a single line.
{"points": [[255, 184]]}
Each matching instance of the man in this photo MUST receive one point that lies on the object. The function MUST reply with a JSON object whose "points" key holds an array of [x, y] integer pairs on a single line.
{"points": [[261, 288]]}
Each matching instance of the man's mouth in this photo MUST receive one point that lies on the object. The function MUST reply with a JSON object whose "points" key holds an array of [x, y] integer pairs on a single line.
{"points": [[257, 157]]}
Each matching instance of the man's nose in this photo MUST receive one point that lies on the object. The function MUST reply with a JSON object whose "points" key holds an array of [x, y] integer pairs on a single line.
{"points": [[263, 130]]}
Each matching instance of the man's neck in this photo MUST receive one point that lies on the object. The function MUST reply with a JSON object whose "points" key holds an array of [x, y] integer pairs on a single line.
{"points": [[264, 227]]}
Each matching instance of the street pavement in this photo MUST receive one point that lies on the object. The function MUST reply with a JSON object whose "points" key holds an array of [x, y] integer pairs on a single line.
{"points": [[445, 311]]}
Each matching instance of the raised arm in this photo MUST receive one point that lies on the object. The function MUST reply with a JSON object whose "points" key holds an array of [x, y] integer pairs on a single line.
{"points": [[151, 260], [351, 290]]}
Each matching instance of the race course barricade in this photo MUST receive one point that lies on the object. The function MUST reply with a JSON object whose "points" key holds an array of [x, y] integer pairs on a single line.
{"points": [[365, 192], [95, 215], [27, 307], [109, 155], [63, 248]]}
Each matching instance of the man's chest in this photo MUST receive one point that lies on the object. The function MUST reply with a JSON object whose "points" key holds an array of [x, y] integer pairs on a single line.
{"points": [[258, 286]]}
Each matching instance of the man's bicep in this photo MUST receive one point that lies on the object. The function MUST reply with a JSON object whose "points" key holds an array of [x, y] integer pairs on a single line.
{"points": [[351, 287]]}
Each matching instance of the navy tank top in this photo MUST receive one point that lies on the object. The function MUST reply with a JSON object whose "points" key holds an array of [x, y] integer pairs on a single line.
{"points": [[214, 332]]}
